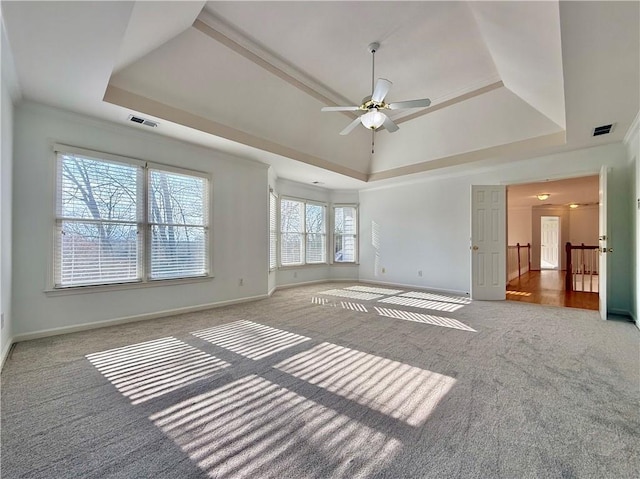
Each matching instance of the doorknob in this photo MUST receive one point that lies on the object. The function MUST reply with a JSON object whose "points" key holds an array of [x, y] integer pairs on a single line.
{"points": [[610, 250], [475, 248]]}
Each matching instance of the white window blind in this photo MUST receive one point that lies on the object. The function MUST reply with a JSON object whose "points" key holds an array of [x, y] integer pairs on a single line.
{"points": [[316, 232], [97, 237], [303, 232], [291, 232], [105, 235], [177, 212], [273, 230], [345, 231]]}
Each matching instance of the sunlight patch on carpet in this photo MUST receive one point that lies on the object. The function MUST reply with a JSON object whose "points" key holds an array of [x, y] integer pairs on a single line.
{"points": [[147, 370], [255, 428], [249, 339], [422, 303], [437, 297], [343, 293], [423, 318], [393, 388], [369, 289]]}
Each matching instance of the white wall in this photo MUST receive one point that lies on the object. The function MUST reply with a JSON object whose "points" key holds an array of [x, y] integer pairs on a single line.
{"points": [[238, 235], [289, 276], [518, 225], [583, 225], [425, 224], [632, 143], [10, 91]]}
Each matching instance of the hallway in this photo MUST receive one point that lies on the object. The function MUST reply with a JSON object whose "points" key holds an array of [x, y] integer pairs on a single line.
{"points": [[547, 287]]}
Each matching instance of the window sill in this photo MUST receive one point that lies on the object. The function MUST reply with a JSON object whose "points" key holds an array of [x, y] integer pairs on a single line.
{"points": [[100, 288]]}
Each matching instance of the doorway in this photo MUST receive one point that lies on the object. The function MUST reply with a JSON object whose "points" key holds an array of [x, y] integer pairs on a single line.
{"points": [[549, 242]]}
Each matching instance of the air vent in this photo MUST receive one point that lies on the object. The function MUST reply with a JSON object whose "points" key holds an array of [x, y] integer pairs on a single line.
{"points": [[602, 130], [142, 121]]}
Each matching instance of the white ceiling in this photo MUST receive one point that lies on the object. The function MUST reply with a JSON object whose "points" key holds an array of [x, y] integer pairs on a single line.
{"points": [[249, 78]]}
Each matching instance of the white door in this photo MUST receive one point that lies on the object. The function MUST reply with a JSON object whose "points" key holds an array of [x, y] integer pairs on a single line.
{"points": [[549, 228], [603, 239], [488, 242]]}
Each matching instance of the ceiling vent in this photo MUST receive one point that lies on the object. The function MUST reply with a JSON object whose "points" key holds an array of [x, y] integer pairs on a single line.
{"points": [[602, 130], [142, 121]]}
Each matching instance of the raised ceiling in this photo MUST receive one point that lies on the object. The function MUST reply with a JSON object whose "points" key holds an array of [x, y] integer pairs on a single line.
{"points": [[506, 79]]}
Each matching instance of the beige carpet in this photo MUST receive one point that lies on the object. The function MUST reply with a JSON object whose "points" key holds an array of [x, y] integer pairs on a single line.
{"points": [[331, 381]]}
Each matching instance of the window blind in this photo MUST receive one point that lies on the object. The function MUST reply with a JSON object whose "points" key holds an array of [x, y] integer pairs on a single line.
{"points": [[345, 234], [177, 212], [109, 231]]}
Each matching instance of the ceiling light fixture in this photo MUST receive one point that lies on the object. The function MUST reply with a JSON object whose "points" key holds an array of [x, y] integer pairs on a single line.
{"points": [[543, 196], [573, 205], [373, 119]]}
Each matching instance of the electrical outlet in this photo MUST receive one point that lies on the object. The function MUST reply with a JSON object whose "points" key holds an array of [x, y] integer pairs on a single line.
{"points": [[420, 273], [241, 282], [2, 321]]}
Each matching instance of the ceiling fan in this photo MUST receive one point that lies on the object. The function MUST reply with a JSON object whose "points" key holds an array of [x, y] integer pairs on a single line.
{"points": [[373, 105]]}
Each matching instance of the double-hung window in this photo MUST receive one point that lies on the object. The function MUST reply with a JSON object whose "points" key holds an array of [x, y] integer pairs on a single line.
{"points": [[345, 234], [303, 232], [119, 220]]}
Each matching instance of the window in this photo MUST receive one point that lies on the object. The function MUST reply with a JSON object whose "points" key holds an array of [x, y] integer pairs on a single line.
{"points": [[303, 232], [120, 221], [273, 230], [345, 234]]}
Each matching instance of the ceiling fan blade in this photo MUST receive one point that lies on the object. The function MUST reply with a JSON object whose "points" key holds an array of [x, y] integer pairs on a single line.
{"points": [[389, 125], [399, 105], [340, 108], [351, 126], [380, 91]]}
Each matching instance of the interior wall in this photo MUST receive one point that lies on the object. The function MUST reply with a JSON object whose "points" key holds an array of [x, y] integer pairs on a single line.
{"points": [[518, 224], [6, 174], [238, 230], [583, 225], [424, 225], [632, 143]]}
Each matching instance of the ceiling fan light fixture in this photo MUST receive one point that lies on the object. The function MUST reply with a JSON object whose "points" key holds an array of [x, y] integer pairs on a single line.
{"points": [[373, 119], [543, 196]]}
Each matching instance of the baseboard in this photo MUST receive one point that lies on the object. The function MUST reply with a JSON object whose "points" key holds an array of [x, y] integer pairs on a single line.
{"points": [[131, 319], [316, 281], [5, 352], [621, 312], [413, 286]]}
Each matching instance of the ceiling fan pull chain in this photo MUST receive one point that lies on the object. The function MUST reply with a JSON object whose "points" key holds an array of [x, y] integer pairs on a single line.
{"points": [[373, 140]]}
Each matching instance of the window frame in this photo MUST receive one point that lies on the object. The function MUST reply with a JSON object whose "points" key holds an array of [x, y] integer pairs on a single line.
{"points": [[276, 236], [304, 202], [334, 235], [143, 222]]}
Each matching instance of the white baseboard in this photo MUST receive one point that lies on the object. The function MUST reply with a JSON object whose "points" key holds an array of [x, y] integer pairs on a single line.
{"points": [[316, 281], [130, 319], [5, 352]]}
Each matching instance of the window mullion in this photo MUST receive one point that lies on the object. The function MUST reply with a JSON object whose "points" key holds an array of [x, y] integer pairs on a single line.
{"points": [[144, 226]]}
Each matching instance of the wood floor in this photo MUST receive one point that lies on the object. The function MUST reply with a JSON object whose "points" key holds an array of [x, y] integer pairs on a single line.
{"points": [[547, 287]]}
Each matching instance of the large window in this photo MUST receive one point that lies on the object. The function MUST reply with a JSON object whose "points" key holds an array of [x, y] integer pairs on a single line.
{"points": [[303, 232], [345, 234], [120, 221]]}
